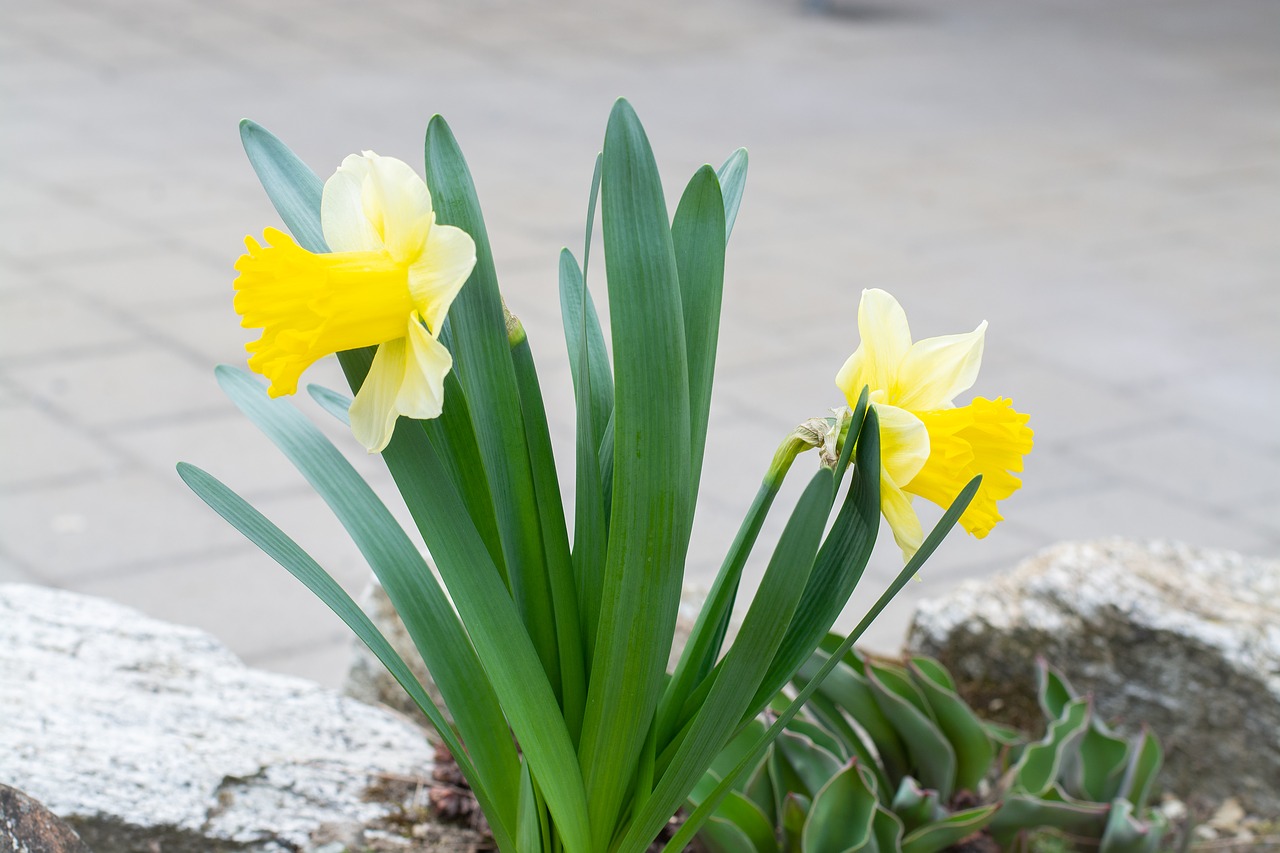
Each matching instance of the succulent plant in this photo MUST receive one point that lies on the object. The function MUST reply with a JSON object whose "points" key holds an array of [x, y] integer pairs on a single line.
{"points": [[889, 758]]}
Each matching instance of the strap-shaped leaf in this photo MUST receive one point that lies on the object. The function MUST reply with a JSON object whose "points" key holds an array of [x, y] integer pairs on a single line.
{"points": [[732, 175], [941, 834], [483, 361], [412, 589], [592, 377], [695, 234], [293, 188], [501, 642], [555, 538], [963, 729], [841, 560], [851, 691], [651, 510], [281, 548], [734, 683], [930, 544], [841, 816]]}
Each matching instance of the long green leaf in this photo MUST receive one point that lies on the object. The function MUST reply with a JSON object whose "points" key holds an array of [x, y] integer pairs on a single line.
{"points": [[652, 511], [699, 251], [555, 537], [483, 361], [409, 584], [931, 543], [293, 188], [732, 175], [746, 662], [939, 835], [964, 731], [281, 548], [501, 641], [931, 754], [592, 376]]}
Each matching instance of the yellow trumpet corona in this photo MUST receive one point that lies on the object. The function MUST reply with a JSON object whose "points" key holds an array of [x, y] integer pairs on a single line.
{"points": [[388, 281], [929, 446]]}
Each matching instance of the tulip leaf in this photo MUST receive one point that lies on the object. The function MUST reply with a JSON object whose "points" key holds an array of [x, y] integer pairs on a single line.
{"points": [[1041, 762], [482, 358], [917, 806], [931, 754], [851, 691], [888, 830], [1124, 833], [795, 811], [651, 509], [1019, 811], [1099, 765], [841, 816], [1052, 690], [1144, 764], [695, 235], [963, 729], [801, 765], [941, 834]]}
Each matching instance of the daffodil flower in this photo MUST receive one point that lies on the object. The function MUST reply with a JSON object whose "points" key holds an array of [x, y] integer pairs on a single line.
{"points": [[929, 446], [389, 279]]}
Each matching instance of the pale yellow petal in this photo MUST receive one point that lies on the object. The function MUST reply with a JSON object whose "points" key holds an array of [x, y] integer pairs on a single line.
{"points": [[885, 340], [422, 392], [904, 443], [373, 412], [935, 370], [398, 204], [435, 280], [342, 216], [902, 518]]}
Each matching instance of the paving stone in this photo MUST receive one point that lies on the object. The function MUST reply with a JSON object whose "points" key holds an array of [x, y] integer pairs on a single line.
{"points": [[40, 321], [73, 533], [133, 387], [53, 450]]}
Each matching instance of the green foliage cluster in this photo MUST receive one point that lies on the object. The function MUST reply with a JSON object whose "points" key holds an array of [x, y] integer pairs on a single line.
{"points": [[550, 650], [889, 759]]}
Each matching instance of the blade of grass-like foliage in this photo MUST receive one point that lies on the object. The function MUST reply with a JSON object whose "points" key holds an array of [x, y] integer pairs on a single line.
{"points": [[591, 211], [606, 469], [699, 815], [555, 537], [338, 405], [590, 541], [931, 754], [695, 235], [501, 642], [652, 509], [744, 665], [841, 560], [412, 589], [732, 175], [281, 548], [594, 378], [483, 362]]}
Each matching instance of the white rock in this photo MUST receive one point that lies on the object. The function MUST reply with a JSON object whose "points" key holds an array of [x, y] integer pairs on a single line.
{"points": [[1184, 639], [139, 732]]}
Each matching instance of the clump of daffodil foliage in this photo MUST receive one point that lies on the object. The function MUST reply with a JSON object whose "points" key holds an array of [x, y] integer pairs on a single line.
{"points": [[550, 648], [887, 758]]}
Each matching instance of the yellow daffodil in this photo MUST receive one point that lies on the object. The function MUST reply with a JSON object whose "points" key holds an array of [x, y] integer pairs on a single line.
{"points": [[929, 446], [389, 280]]}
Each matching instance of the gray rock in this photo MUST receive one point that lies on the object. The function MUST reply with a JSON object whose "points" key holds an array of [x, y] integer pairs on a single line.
{"points": [[1186, 640], [28, 827], [145, 735], [368, 681]]}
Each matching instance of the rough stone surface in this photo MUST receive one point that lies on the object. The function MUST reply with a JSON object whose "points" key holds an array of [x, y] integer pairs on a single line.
{"points": [[28, 827], [1185, 640], [145, 735], [368, 681]]}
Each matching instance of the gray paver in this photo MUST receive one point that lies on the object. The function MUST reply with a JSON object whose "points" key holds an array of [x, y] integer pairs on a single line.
{"points": [[1100, 182]]}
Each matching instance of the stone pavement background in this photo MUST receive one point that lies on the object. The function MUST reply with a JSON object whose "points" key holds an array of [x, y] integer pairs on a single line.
{"points": [[1100, 181]]}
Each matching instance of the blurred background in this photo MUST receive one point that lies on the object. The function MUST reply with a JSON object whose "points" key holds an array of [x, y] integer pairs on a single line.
{"points": [[1099, 180]]}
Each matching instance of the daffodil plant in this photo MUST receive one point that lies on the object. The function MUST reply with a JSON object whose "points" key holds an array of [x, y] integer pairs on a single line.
{"points": [[550, 648]]}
